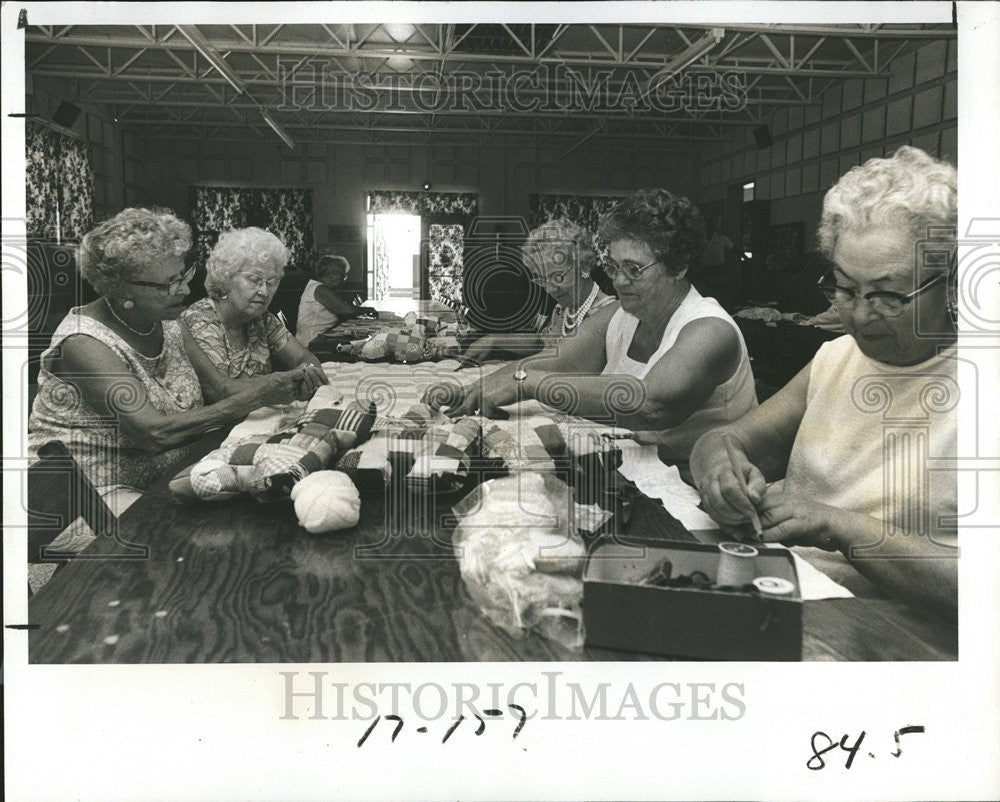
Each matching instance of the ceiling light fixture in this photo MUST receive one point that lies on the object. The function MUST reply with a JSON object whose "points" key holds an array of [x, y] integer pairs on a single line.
{"points": [[282, 134], [685, 58], [200, 43]]}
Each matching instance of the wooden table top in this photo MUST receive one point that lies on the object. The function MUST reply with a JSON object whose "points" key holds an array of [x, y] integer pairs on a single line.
{"points": [[240, 581]]}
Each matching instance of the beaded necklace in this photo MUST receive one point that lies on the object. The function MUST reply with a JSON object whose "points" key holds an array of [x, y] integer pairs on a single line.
{"points": [[572, 319]]}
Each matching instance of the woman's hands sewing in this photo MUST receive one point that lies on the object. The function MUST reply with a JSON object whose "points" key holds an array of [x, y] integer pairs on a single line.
{"points": [[484, 396], [791, 519]]}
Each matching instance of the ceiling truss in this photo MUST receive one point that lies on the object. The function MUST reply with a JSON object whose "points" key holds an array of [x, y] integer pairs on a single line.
{"points": [[560, 84]]}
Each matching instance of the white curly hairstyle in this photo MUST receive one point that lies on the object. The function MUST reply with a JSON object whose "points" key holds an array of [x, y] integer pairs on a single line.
{"points": [[121, 248], [561, 238], [910, 190], [239, 250]]}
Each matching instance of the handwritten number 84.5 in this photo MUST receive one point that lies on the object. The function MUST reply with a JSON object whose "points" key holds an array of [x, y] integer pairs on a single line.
{"points": [[823, 743]]}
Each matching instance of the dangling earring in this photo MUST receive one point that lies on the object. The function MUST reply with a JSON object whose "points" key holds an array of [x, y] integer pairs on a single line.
{"points": [[128, 303]]}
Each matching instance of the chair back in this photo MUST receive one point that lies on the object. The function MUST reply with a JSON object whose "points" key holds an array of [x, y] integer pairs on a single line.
{"points": [[58, 494]]}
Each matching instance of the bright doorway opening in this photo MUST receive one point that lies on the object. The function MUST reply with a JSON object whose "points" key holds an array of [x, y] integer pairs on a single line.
{"points": [[393, 243]]}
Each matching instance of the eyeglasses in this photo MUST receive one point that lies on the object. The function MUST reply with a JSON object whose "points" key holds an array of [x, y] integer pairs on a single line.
{"points": [[172, 287], [259, 281], [630, 270], [551, 278], [882, 302]]}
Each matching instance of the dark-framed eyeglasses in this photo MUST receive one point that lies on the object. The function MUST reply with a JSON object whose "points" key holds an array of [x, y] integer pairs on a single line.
{"points": [[170, 287], [882, 302], [630, 270]]}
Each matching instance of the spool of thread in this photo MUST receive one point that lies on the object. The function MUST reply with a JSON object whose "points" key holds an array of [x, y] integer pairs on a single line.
{"points": [[736, 564], [773, 585]]}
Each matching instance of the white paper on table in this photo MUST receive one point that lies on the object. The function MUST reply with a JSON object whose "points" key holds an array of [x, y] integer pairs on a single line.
{"points": [[642, 466], [814, 584]]}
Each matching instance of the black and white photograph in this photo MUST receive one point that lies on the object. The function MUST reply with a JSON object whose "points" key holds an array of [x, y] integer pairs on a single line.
{"points": [[402, 399]]}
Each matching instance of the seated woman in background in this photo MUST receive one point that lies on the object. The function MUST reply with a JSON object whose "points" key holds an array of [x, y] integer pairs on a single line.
{"points": [[321, 306], [232, 325], [665, 361], [824, 432], [123, 385], [561, 258]]}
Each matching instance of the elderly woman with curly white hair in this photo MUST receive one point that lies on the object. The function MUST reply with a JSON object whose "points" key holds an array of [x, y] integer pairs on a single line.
{"points": [[856, 435], [232, 325], [561, 258], [123, 385]]}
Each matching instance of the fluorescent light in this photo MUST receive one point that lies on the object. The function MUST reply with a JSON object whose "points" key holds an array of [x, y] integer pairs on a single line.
{"points": [[200, 43], [277, 129], [686, 58]]}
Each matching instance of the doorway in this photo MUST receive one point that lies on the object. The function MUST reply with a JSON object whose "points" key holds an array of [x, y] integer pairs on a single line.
{"points": [[393, 243]]}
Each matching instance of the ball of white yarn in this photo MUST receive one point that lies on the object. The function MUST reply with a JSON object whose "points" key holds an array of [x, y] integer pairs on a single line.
{"points": [[326, 501]]}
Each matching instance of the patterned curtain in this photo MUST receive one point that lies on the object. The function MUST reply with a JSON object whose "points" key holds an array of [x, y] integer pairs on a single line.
{"points": [[444, 273], [42, 184], [382, 201], [214, 210], [286, 213], [584, 210], [59, 176], [77, 185], [380, 270]]}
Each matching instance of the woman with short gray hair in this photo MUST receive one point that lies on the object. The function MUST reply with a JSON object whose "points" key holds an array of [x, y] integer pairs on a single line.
{"points": [[232, 325]]}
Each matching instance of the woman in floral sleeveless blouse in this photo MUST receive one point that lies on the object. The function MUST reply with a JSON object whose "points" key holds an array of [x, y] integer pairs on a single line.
{"points": [[232, 325]]}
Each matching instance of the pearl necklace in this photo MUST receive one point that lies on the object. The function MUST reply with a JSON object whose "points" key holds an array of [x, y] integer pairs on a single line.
{"points": [[572, 319], [114, 314]]}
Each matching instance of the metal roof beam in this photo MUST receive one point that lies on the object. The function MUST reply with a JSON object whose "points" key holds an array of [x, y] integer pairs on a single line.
{"points": [[834, 30], [575, 58]]}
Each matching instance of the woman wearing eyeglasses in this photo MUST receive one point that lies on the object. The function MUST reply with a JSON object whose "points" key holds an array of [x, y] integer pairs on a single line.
{"points": [[665, 361], [123, 384], [857, 433], [561, 259], [232, 325]]}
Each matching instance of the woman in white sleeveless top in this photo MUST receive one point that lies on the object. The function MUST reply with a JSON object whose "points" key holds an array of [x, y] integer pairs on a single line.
{"points": [[664, 361], [321, 307], [864, 435]]}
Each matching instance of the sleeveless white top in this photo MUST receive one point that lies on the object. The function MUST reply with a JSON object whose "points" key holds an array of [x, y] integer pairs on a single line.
{"points": [[314, 318], [873, 435], [730, 400]]}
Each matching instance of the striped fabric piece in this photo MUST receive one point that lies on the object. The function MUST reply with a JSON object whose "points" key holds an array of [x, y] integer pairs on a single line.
{"points": [[319, 435], [443, 457], [571, 448], [268, 466], [432, 457]]}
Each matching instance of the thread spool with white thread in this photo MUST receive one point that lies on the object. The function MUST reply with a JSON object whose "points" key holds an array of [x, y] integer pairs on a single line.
{"points": [[736, 564], [774, 585]]}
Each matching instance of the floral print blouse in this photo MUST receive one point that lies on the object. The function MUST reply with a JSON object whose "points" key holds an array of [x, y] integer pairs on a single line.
{"points": [[266, 336], [108, 457]]}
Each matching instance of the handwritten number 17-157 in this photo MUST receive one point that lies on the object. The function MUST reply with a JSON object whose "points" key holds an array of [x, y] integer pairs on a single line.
{"points": [[480, 729]]}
